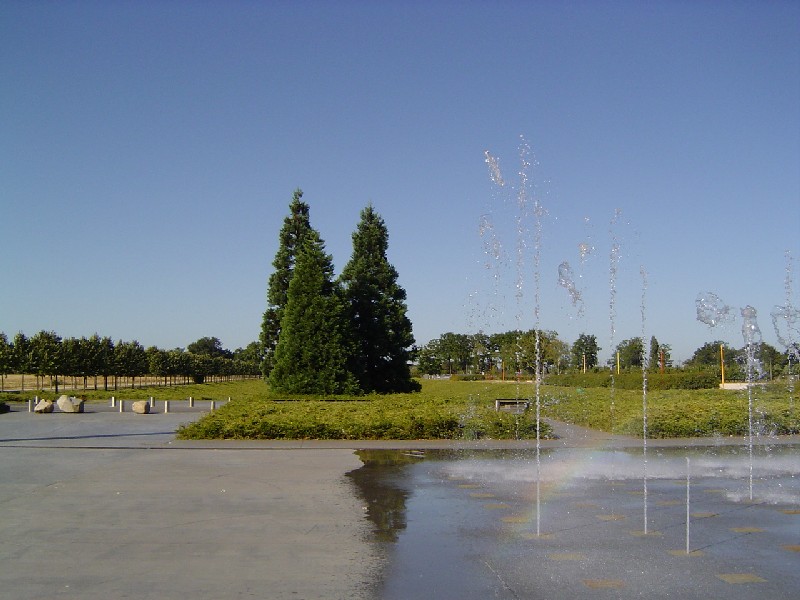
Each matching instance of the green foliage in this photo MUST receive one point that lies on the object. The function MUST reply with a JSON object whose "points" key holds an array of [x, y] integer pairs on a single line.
{"points": [[312, 323], [21, 354], [375, 305], [46, 354], [442, 410], [708, 357], [585, 347], [674, 413], [509, 352], [296, 228], [311, 354], [686, 380], [247, 390], [6, 359], [209, 346], [659, 356], [630, 353]]}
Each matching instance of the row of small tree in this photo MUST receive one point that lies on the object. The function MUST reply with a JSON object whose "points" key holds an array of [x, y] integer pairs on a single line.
{"points": [[512, 352], [506, 354], [769, 360], [324, 335], [501, 354], [47, 356]]}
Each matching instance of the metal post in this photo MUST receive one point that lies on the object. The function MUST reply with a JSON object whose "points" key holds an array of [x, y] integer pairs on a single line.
{"points": [[213, 405], [166, 406], [113, 402], [191, 402], [122, 406]]}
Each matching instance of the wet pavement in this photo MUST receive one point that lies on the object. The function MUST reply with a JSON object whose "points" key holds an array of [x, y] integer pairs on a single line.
{"points": [[473, 525]]}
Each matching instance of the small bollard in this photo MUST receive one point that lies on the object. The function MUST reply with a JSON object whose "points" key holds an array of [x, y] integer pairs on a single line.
{"points": [[122, 406], [30, 404], [151, 402], [166, 406], [213, 406], [113, 402], [229, 398], [191, 402]]}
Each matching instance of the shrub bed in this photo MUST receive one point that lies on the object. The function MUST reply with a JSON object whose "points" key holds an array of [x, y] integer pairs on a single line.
{"points": [[676, 413], [380, 417], [674, 380]]}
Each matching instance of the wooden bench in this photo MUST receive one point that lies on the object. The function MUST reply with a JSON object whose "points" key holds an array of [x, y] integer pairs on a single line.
{"points": [[515, 406]]}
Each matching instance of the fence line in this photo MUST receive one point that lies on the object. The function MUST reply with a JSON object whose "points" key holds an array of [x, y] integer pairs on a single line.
{"points": [[17, 382]]}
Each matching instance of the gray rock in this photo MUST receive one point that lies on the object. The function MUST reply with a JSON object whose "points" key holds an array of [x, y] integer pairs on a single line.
{"points": [[44, 406], [141, 406], [70, 404]]}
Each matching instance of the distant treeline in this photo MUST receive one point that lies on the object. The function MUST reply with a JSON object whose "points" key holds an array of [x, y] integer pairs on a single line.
{"points": [[46, 356]]}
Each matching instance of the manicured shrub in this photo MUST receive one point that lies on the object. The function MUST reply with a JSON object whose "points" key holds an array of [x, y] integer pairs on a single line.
{"points": [[443, 410], [467, 377], [674, 380]]}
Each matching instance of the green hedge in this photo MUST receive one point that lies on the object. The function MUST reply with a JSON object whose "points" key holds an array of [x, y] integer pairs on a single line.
{"points": [[388, 417], [674, 380], [467, 377]]}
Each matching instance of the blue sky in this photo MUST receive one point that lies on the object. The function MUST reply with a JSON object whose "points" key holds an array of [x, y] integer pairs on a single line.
{"points": [[148, 153]]}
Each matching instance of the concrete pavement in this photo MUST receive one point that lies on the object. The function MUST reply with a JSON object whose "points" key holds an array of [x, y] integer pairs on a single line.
{"points": [[100, 505]]}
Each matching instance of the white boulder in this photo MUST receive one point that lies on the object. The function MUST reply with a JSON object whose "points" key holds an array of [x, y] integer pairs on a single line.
{"points": [[43, 406], [141, 406], [69, 404]]}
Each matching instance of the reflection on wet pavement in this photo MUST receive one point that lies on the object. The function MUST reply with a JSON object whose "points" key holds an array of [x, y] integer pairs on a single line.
{"points": [[461, 524]]}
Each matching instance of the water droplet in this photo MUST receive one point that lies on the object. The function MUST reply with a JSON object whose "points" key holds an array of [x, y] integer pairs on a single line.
{"points": [[711, 310], [566, 280]]}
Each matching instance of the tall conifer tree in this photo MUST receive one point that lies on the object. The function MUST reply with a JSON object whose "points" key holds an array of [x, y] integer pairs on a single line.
{"points": [[296, 227], [311, 354], [381, 331]]}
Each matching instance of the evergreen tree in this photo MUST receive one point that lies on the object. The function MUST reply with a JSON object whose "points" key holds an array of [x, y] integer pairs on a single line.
{"points": [[654, 354], [659, 355], [296, 227], [376, 304], [311, 353]]}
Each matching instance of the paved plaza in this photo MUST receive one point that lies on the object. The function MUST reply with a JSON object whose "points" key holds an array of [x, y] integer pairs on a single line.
{"points": [[106, 505], [103, 505]]}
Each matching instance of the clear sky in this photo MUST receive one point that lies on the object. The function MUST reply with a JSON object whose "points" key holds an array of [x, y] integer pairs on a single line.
{"points": [[149, 151]]}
